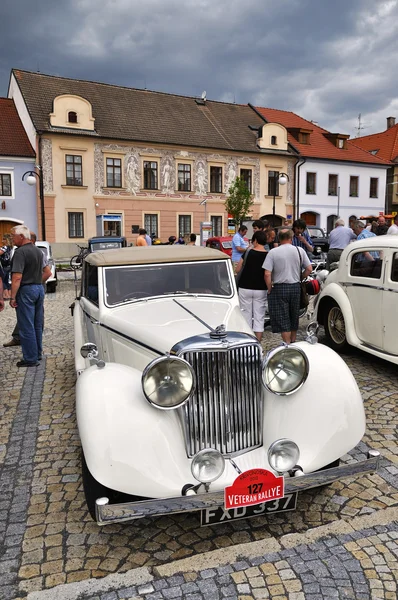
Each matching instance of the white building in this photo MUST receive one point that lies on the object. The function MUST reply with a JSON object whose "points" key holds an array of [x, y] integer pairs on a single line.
{"points": [[333, 176]]}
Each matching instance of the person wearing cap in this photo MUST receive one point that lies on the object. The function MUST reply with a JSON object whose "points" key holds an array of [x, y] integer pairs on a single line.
{"points": [[359, 228]]}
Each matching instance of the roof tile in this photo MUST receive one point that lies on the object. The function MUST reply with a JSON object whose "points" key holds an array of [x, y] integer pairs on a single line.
{"points": [[13, 139]]}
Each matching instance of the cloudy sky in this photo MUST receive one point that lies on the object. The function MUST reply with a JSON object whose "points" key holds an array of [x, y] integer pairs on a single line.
{"points": [[327, 60]]}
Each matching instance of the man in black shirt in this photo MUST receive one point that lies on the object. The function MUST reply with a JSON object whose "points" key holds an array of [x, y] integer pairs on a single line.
{"points": [[27, 294]]}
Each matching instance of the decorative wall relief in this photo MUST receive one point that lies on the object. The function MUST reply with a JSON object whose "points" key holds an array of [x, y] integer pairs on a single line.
{"points": [[47, 165], [200, 176], [230, 175], [167, 171], [98, 168], [132, 170]]}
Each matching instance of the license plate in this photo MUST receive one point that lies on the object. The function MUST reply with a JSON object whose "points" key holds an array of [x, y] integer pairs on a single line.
{"points": [[218, 514]]}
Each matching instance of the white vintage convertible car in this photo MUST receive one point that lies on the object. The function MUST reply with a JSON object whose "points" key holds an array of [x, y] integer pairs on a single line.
{"points": [[358, 302], [179, 410]]}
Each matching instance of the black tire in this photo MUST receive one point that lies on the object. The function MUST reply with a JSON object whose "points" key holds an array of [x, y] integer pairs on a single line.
{"points": [[93, 489], [335, 327], [76, 261]]}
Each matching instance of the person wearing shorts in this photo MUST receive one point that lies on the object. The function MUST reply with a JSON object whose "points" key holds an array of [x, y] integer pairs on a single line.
{"points": [[284, 267]]}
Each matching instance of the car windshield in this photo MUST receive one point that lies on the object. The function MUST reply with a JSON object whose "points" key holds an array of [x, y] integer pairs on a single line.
{"points": [[227, 245], [95, 246], [126, 283], [314, 232]]}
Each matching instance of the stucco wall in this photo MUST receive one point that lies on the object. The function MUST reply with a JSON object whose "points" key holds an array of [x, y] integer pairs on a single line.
{"points": [[22, 205]]}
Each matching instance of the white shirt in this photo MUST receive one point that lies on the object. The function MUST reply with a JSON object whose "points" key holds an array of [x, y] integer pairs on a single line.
{"points": [[393, 230]]}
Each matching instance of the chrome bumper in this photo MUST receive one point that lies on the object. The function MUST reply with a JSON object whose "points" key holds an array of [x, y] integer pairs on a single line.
{"points": [[118, 513]]}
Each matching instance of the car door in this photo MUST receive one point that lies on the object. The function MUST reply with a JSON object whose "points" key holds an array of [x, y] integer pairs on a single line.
{"points": [[364, 287], [390, 303]]}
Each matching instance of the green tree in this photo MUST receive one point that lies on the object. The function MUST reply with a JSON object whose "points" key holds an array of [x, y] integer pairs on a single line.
{"points": [[239, 201]]}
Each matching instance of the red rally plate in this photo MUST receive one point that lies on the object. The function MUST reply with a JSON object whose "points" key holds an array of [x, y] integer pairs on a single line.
{"points": [[254, 487]]}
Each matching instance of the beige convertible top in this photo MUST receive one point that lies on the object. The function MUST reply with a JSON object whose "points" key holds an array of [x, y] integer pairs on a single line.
{"points": [[153, 254]]}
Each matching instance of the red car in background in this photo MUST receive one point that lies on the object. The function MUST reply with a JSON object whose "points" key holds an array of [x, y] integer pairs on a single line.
{"points": [[221, 243]]}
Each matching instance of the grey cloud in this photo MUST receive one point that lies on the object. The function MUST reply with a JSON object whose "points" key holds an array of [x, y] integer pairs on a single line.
{"points": [[325, 61]]}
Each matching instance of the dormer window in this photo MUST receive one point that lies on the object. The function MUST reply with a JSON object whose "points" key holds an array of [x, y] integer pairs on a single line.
{"points": [[340, 143], [300, 134], [274, 141], [338, 139], [304, 138], [72, 117]]}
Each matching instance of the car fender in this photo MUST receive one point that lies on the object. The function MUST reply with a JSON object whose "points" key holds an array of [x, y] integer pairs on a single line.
{"points": [[128, 444], [325, 417], [335, 292]]}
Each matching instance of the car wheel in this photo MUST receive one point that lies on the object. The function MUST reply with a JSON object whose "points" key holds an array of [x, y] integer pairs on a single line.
{"points": [[335, 327], [93, 489], [51, 287]]}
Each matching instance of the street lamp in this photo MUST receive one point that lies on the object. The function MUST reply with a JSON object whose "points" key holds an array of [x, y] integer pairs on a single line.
{"points": [[31, 179], [282, 178]]}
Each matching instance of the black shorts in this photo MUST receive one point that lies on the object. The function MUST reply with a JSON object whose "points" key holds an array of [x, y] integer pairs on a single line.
{"points": [[284, 307]]}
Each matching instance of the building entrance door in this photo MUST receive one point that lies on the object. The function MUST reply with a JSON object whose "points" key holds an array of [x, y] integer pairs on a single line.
{"points": [[309, 218], [5, 227]]}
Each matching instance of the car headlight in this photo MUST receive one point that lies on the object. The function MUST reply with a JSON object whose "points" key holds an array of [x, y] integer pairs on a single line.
{"points": [[285, 370], [167, 382], [207, 465], [283, 455]]}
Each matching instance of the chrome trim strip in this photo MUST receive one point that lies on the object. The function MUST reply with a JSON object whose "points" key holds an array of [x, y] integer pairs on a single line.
{"points": [[118, 513]]}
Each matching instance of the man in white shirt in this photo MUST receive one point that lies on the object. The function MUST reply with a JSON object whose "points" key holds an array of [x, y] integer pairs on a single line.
{"points": [[393, 230], [284, 267]]}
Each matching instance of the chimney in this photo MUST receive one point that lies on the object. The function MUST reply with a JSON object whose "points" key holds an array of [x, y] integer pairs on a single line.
{"points": [[390, 122]]}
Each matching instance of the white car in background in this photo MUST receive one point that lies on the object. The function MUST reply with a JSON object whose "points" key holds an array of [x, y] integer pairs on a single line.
{"points": [[358, 303], [179, 410], [52, 282]]}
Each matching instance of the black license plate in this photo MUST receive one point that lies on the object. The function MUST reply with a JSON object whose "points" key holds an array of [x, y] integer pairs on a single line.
{"points": [[218, 514]]}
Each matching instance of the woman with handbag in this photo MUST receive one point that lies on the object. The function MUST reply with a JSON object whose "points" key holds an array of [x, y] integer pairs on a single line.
{"points": [[251, 285]]}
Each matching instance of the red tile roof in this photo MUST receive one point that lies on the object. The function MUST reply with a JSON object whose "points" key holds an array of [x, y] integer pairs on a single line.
{"points": [[385, 142], [13, 139], [320, 146]]}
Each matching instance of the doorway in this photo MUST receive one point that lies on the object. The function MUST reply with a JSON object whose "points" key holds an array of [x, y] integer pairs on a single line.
{"points": [[309, 217], [331, 220], [5, 227]]}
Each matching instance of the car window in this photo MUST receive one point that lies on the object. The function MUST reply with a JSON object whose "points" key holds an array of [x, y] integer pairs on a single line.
{"points": [[367, 264], [227, 245], [394, 268], [316, 232], [90, 285], [145, 281], [94, 247]]}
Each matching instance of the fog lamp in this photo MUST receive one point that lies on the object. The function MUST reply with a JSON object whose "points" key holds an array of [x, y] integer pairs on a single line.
{"points": [[283, 455], [207, 465]]}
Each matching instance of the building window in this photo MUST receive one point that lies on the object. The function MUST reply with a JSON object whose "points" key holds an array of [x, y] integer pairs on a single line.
{"points": [[113, 172], [5, 184], [184, 178], [151, 224], [216, 180], [374, 187], [184, 225], [274, 141], [340, 143], [150, 175], [73, 170], [304, 138], [273, 183], [72, 117], [311, 183], [354, 180], [75, 225], [216, 225], [246, 176], [332, 189]]}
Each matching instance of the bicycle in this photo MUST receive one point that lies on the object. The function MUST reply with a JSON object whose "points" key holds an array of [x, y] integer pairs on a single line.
{"points": [[77, 260]]}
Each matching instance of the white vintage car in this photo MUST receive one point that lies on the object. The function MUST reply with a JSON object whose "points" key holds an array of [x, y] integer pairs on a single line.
{"points": [[358, 302], [177, 407], [52, 281]]}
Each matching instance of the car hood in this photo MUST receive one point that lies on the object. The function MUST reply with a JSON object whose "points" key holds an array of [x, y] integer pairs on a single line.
{"points": [[161, 323]]}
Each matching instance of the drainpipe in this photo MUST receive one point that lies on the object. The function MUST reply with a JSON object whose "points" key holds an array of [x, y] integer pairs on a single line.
{"points": [[41, 193], [298, 165]]}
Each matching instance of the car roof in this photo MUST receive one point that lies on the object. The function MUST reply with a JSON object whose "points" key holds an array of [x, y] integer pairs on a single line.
{"points": [[378, 241], [153, 254]]}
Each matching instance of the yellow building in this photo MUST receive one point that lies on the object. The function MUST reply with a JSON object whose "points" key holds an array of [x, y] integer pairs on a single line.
{"points": [[159, 161]]}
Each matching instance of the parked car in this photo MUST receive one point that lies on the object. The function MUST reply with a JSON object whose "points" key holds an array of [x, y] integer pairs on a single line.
{"points": [[177, 408], [106, 243], [320, 241], [224, 244], [52, 282], [358, 303]]}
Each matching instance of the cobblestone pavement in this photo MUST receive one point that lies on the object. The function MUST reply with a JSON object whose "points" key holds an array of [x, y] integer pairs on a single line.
{"points": [[48, 538]]}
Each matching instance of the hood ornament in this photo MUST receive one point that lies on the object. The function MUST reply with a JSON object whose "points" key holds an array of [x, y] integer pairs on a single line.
{"points": [[218, 333]]}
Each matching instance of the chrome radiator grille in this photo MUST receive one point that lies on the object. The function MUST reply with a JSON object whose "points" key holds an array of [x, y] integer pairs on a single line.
{"points": [[226, 409]]}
